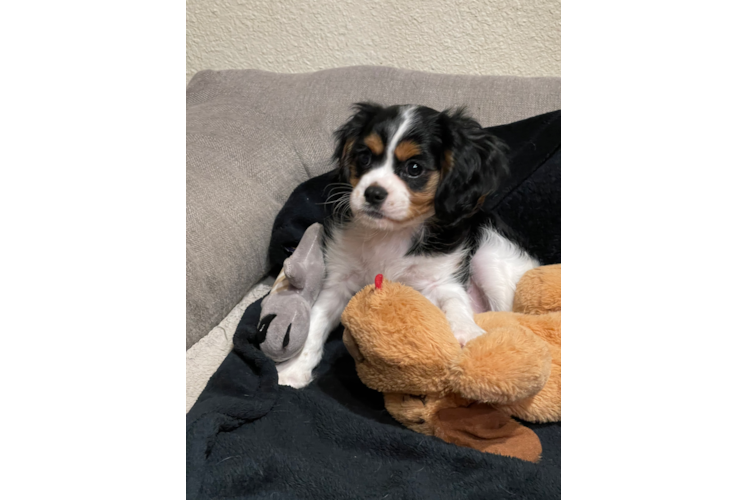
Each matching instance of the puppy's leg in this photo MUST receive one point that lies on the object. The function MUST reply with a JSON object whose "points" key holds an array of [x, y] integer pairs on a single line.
{"points": [[496, 268], [453, 299], [326, 311]]}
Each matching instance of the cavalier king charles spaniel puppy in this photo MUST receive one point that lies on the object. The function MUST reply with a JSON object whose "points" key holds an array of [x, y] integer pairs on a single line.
{"points": [[408, 206]]}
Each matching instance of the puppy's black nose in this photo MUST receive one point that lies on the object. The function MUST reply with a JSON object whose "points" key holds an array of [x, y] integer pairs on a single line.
{"points": [[375, 195]]}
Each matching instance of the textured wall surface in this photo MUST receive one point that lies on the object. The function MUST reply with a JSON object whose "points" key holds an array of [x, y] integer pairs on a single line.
{"points": [[479, 37]]}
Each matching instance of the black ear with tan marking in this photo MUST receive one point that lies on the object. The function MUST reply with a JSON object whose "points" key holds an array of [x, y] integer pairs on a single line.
{"points": [[364, 112], [473, 166]]}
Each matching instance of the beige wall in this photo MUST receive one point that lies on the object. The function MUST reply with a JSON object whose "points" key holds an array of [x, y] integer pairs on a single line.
{"points": [[502, 37]]}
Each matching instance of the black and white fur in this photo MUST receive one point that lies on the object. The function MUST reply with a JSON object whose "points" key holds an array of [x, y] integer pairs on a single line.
{"points": [[413, 183]]}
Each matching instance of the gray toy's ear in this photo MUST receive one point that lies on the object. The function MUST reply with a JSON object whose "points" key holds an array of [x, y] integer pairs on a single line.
{"points": [[306, 266]]}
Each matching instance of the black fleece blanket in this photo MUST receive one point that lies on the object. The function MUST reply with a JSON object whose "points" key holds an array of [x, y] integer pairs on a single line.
{"points": [[248, 437]]}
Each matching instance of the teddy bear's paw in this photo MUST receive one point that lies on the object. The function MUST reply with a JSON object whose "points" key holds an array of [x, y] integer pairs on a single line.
{"points": [[411, 410], [294, 376], [465, 332]]}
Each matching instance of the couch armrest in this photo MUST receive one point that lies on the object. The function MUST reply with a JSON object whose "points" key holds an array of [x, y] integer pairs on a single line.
{"points": [[240, 170]]}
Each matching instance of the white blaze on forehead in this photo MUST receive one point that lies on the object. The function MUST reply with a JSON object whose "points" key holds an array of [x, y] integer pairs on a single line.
{"points": [[397, 137]]}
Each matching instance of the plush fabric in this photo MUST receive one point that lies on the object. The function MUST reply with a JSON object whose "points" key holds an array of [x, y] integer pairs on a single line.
{"points": [[252, 136], [247, 437]]}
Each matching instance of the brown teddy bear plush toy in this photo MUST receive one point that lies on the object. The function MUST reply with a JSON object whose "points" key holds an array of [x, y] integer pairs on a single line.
{"points": [[403, 346]]}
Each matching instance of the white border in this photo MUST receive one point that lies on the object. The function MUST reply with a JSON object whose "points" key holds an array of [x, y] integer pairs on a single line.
{"points": [[569, 162]]}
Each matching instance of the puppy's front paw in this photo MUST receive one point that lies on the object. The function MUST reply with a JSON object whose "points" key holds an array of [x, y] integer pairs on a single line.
{"points": [[294, 376], [465, 332]]}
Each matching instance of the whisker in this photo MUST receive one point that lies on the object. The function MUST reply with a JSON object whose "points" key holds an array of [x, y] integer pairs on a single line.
{"points": [[341, 205], [339, 185], [338, 190], [338, 193], [333, 200]]}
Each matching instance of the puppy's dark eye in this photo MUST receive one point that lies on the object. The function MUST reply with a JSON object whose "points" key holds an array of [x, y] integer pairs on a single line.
{"points": [[364, 158], [413, 169]]}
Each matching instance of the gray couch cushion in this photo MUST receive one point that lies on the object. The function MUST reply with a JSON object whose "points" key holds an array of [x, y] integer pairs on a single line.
{"points": [[252, 136]]}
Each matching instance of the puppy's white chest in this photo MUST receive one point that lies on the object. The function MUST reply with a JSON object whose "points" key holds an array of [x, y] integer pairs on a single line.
{"points": [[359, 258], [384, 256]]}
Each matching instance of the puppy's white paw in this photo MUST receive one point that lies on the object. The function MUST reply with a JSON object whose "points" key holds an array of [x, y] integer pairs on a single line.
{"points": [[295, 376], [465, 332]]}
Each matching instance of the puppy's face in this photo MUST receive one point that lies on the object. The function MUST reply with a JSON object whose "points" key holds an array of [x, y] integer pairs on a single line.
{"points": [[393, 166], [408, 163]]}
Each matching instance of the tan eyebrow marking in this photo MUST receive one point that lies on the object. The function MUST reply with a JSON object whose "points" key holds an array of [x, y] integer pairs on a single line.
{"points": [[407, 149], [374, 142]]}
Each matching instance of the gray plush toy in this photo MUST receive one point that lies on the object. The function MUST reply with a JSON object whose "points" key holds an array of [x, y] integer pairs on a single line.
{"points": [[284, 320]]}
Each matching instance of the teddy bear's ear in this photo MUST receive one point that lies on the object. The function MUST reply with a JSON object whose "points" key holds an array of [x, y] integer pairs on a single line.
{"points": [[485, 428]]}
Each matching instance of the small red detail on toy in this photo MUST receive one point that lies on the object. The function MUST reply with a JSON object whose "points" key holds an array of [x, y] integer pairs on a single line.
{"points": [[378, 281]]}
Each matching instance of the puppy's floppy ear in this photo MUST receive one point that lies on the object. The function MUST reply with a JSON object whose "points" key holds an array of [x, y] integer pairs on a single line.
{"points": [[364, 112], [473, 166]]}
